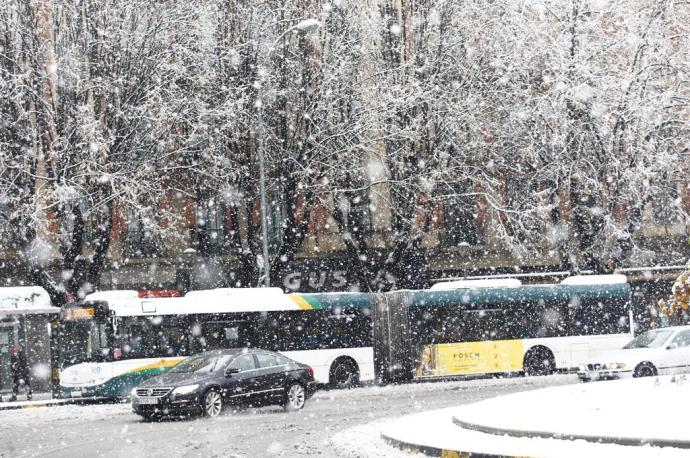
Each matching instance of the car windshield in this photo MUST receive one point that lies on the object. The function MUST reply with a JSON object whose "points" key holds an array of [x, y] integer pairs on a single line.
{"points": [[200, 364], [650, 339]]}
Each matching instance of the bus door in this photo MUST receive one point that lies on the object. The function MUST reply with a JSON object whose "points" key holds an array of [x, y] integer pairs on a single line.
{"points": [[393, 355], [8, 333]]}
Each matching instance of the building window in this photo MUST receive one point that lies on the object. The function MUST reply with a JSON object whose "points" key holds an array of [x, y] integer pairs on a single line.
{"points": [[73, 217], [358, 212], [459, 215], [210, 230], [9, 236], [140, 241], [664, 203]]}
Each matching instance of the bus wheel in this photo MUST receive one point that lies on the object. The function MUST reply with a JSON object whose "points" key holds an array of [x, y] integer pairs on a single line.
{"points": [[645, 370], [539, 361], [344, 373], [213, 403]]}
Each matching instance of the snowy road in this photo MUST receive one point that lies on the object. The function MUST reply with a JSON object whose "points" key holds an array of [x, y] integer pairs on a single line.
{"points": [[113, 431]]}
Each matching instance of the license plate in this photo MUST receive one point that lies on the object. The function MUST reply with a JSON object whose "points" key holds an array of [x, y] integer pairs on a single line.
{"points": [[76, 394], [147, 401]]}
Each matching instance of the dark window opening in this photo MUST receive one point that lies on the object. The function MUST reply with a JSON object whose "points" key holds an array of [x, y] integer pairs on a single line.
{"points": [[459, 215], [140, 240], [210, 233]]}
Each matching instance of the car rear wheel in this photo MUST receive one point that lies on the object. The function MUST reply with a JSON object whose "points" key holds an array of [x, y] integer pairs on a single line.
{"points": [[213, 403], [645, 370], [295, 397]]}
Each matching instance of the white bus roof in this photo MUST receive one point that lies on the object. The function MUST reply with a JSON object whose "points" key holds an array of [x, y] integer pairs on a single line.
{"points": [[247, 294], [112, 295], [221, 300], [482, 283], [22, 300], [594, 279]]}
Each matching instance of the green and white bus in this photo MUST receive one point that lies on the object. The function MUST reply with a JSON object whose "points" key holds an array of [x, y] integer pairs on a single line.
{"points": [[114, 340], [512, 328]]}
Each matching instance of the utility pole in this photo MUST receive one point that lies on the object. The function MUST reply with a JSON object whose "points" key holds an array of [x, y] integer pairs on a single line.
{"points": [[306, 25]]}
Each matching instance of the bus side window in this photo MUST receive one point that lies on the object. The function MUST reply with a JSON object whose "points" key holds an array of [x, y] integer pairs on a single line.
{"points": [[590, 318], [225, 334], [172, 339], [143, 337], [347, 329], [135, 341], [195, 337]]}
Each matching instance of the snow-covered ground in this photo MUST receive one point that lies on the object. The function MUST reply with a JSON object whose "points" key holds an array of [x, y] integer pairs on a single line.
{"points": [[350, 423], [114, 431], [647, 409]]}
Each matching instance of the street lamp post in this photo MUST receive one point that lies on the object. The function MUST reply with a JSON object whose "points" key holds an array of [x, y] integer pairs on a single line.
{"points": [[306, 25]]}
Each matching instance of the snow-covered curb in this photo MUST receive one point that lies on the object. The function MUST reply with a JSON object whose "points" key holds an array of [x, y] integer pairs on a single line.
{"points": [[365, 441], [647, 410]]}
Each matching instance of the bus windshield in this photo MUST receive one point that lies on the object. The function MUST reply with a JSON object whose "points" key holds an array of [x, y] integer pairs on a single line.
{"points": [[84, 341]]}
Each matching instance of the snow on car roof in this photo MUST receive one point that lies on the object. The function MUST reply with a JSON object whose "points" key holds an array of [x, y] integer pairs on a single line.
{"points": [[594, 279], [25, 299], [488, 282]]}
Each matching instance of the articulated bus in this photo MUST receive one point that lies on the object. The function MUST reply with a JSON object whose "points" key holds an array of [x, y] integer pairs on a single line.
{"points": [[115, 340], [535, 329]]}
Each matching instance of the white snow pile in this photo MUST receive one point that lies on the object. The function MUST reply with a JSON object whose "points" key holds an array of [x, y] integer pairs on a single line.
{"points": [[24, 298], [652, 408], [644, 408]]}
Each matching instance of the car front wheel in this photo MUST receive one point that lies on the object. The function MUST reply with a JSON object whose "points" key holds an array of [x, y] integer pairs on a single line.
{"points": [[149, 417], [295, 397], [213, 403]]}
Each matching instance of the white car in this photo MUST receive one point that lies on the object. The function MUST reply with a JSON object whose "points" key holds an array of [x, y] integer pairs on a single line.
{"points": [[657, 352]]}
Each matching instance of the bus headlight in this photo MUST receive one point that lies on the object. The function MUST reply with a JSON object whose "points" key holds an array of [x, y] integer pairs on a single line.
{"points": [[181, 390]]}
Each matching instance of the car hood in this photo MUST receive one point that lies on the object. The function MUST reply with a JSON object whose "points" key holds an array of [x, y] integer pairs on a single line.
{"points": [[175, 379], [630, 355]]}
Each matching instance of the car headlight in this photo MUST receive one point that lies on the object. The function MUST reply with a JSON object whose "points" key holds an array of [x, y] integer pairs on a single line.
{"points": [[133, 392], [614, 366], [583, 368], [185, 389]]}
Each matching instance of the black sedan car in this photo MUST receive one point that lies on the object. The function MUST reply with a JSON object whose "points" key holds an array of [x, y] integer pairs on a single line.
{"points": [[206, 382]]}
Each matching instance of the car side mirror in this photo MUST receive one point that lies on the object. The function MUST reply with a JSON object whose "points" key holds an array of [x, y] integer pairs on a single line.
{"points": [[672, 346], [231, 370]]}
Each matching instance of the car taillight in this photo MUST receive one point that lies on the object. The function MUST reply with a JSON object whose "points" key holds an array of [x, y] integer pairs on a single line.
{"points": [[310, 371]]}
